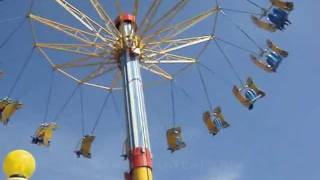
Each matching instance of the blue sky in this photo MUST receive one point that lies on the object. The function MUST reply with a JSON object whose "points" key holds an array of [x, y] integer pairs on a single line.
{"points": [[277, 140]]}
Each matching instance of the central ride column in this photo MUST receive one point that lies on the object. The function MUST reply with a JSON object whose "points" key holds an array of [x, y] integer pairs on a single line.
{"points": [[138, 148]]}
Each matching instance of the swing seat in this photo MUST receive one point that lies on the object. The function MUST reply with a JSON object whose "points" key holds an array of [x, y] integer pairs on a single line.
{"points": [[277, 49], [85, 149], [44, 134], [264, 25], [8, 109], [210, 124], [261, 64], [274, 60], [175, 140], [217, 112], [278, 21], [287, 6], [253, 86], [3, 103], [242, 99]]}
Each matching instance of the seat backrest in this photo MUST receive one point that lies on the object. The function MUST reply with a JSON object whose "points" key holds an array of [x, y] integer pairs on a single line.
{"points": [[86, 143], [172, 135]]}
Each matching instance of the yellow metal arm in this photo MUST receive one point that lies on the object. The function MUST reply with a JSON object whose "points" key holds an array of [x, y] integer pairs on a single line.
{"points": [[169, 15], [93, 26], [78, 34], [175, 30], [158, 57], [106, 18], [84, 49], [76, 79], [157, 70], [147, 19], [176, 44], [101, 70], [83, 62]]}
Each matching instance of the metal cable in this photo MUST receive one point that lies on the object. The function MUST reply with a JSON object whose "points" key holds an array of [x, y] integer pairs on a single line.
{"points": [[255, 4], [49, 96], [173, 103], [11, 19], [205, 46], [243, 31], [6, 40], [100, 113], [215, 74], [204, 86], [66, 103], [217, 3], [236, 46], [184, 92], [31, 6], [82, 111], [229, 62], [116, 107], [241, 11], [18, 27], [194, 102], [25, 64]]}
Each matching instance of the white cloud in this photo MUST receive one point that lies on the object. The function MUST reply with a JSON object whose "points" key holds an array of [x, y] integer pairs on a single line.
{"points": [[224, 171]]}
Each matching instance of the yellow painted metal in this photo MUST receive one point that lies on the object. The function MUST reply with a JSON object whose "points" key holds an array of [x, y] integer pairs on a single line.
{"points": [[277, 49], [209, 123], [288, 6], [261, 64], [45, 133], [143, 173], [175, 139], [19, 162], [86, 144], [9, 110], [264, 25]]}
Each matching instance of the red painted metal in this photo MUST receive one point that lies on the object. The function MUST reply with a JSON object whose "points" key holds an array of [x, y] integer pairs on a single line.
{"points": [[125, 17], [140, 157]]}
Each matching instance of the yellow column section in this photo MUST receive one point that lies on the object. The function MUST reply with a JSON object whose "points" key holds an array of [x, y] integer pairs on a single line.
{"points": [[142, 173]]}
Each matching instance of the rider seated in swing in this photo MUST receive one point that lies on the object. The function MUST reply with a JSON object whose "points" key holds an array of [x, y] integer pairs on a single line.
{"points": [[278, 16], [175, 140], [85, 149], [7, 108], [248, 94], [270, 59], [44, 134], [215, 121]]}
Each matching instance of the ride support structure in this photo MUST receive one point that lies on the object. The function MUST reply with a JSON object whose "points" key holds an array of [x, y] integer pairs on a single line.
{"points": [[138, 150]]}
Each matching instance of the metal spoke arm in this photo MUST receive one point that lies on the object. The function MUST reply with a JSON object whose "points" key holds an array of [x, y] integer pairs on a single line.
{"points": [[136, 8], [50, 61], [147, 19], [105, 17], [100, 71], [169, 15], [157, 70], [78, 34], [176, 44], [175, 30], [85, 49], [157, 57], [86, 21], [80, 65]]}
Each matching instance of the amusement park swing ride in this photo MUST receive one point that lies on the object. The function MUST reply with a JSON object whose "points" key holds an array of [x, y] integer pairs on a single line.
{"points": [[125, 46]]}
